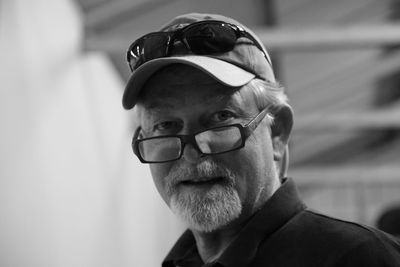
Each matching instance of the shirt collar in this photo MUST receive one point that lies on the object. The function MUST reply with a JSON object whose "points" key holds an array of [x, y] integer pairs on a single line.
{"points": [[184, 252], [284, 204]]}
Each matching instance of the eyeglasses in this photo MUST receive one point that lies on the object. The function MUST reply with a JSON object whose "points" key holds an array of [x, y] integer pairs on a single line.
{"points": [[212, 141], [201, 38]]}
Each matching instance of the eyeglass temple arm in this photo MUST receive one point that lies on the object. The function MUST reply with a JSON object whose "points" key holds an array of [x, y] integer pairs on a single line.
{"points": [[252, 125], [254, 40], [284, 163], [137, 133], [135, 137]]}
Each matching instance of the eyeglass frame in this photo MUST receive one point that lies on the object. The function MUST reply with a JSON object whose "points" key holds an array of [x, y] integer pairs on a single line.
{"points": [[245, 131], [174, 35]]}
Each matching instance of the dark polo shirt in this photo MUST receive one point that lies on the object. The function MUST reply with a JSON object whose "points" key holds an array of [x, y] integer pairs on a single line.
{"points": [[286, 233]]}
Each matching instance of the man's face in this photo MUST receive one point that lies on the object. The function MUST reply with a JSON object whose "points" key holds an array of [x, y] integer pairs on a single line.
{"points": [[213, 191]]}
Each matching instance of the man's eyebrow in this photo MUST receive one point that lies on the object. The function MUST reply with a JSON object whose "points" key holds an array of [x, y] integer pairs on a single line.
{"points": [[234, 104]]}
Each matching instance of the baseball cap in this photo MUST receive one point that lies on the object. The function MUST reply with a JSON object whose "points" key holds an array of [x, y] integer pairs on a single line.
{"points": [[234, 68]]}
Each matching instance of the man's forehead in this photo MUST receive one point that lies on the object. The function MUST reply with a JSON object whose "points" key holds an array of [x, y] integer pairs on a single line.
{"points": [[185, 98]]}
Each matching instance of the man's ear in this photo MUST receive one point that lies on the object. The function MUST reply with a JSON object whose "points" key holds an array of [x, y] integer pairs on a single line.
{"points": [[280, 130]]}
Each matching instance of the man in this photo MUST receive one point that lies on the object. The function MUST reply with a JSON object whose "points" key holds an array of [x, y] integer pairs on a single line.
{"points": [[213, 126]]}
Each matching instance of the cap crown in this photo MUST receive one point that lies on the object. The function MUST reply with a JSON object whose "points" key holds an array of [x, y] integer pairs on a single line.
{"points": [[245, 55]]}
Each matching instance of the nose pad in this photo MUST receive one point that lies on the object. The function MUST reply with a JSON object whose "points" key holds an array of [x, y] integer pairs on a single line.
{"points": [[191, 154]]}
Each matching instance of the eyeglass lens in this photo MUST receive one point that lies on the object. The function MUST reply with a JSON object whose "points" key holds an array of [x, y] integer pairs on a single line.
{"points": [[155, 47], [219, 140], [160, 149], [204, 39], [148, 48]]}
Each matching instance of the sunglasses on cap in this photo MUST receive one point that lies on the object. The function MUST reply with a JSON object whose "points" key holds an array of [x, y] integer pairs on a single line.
{"points": [[201, 38]]}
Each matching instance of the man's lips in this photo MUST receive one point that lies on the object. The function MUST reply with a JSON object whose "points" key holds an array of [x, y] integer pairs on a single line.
{"points": [[203, 181]]}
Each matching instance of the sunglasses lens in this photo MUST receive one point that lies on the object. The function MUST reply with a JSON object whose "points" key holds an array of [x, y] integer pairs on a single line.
{"points": [[210, 38], [147, 48], [134, 55], [199, 38]]}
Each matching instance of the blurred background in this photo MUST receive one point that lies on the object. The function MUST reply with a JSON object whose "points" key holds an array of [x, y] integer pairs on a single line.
{"points": [[73, 194]]}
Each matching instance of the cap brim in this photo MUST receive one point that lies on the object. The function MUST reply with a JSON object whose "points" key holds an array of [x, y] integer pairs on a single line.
{"points": [[222, 71]]}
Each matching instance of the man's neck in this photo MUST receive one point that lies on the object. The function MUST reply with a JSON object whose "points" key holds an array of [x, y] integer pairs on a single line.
{"points": [[211, 245]]}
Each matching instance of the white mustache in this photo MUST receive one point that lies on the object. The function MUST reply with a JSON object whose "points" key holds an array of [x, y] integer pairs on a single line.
{"points": [[205, 169]]}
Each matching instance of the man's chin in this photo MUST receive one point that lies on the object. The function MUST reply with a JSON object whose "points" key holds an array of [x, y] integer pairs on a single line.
{"points": [[206, 207]]}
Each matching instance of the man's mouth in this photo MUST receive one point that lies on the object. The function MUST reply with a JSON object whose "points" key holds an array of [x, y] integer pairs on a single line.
{"points": [[204, 181]]}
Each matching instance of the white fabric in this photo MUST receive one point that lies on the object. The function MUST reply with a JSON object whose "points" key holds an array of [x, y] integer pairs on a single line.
{"points": [[71, 191]]}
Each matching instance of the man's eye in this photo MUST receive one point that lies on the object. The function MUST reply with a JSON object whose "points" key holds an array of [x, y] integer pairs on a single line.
{"points": [[222, 116], [165, 126]]}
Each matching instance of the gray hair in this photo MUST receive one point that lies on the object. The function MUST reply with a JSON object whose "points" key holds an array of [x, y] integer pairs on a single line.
{"points": [[268, 94]]}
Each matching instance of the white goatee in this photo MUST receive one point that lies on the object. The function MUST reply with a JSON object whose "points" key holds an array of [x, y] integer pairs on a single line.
{"points": [[204, 211]]}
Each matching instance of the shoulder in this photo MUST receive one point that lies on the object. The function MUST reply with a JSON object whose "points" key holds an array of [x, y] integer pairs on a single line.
{"points": [[314, 239], [338, 230], [352, 244], [341, 229]]}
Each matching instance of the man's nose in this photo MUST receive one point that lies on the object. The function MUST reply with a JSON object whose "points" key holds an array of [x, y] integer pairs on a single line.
{"points": [[191, 154]]}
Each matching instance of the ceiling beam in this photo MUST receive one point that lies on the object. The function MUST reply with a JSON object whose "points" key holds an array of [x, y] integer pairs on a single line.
{"points": [[290, 39], [343, 176], [113, 12], [383, 118], [331, 37]]}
